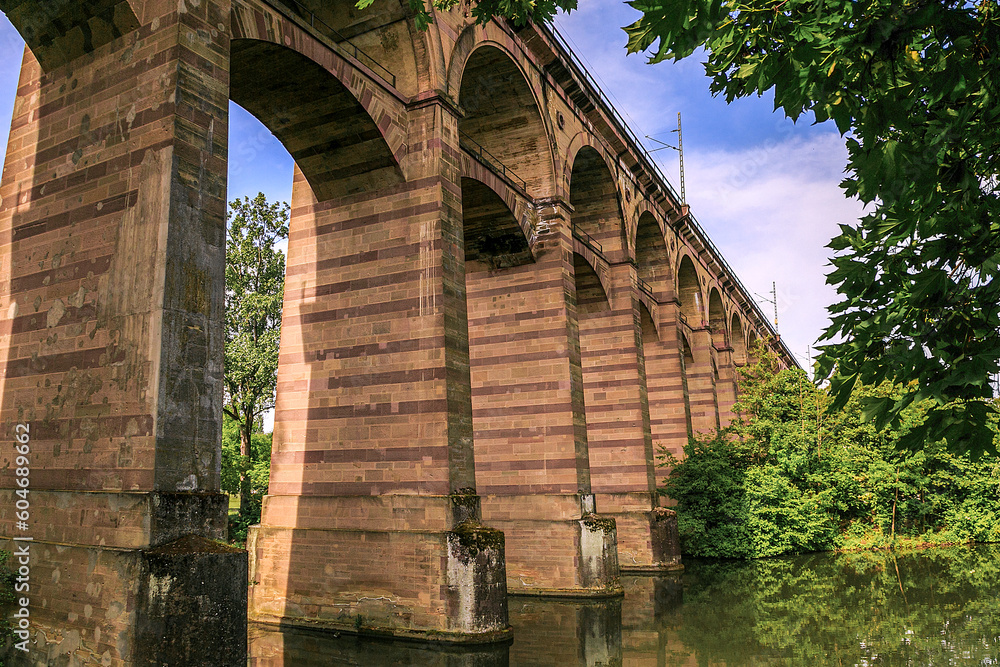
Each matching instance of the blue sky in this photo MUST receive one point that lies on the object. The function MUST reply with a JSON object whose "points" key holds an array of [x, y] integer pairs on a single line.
{"points": [[764, 188]]}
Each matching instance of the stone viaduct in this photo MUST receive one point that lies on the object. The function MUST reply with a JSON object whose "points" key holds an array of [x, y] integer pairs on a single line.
{"points": [[496, 310]]}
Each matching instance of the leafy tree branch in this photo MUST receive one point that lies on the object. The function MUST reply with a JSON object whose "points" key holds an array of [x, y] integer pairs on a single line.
{"points": [[913, 87]]}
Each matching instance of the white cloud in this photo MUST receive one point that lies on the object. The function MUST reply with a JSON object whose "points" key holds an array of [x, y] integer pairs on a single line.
{"points": [[771, 210]]}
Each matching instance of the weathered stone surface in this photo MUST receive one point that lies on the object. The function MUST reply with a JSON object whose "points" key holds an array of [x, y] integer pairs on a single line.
{"points": [[488, 294], [477, 579], [666, 540], [191, 603]]}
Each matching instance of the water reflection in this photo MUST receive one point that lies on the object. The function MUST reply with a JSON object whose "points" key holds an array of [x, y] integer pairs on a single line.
{"points": [[566, 632], [273, 647], [932, 607]]}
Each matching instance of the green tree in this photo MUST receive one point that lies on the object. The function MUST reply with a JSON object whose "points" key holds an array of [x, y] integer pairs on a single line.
{"points": [[788, 476], [518, 11], [914, 87], [766, 485], [255, 282]]}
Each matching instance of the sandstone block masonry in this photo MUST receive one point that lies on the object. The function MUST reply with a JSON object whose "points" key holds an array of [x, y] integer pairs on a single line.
{"points": [[496, 312]]}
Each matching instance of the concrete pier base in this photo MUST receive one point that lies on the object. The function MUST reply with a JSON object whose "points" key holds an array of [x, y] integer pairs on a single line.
{"points": [[556, 545], [159, 596], [272, 646], [191, 605], [648, 542]]}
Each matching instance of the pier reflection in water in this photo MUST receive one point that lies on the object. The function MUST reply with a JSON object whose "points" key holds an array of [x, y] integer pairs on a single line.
{"points": [[273, 647], [934, 607]]}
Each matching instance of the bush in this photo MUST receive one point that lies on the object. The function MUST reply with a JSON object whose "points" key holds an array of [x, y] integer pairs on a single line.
{"points": [[249, 473], [789, 476], [239, 523]]}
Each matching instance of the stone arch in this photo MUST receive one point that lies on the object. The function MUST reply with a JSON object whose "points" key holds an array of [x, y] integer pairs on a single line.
{"points": [[649, 323], [717, 318], [651, 257], [591, 297], [593, 193], [687, 352], [738, 339], [59, 32], [502, 121], [689, 292], [493, 238], [596, 263], [521, 207], [641, 207], [334, 141], [383, 32], [386, 106]]}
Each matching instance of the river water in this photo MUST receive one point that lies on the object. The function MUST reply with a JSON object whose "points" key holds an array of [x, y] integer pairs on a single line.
{"points": [[932, 607]]}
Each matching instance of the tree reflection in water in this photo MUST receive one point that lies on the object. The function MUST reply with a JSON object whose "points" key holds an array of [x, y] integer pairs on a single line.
{"points": [[933, 607]]}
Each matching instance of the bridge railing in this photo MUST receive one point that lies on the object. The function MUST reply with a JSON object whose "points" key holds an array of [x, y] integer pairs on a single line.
{"points": [[589, 241], [490, 160], [654, 170], [322, 27], [644, 287]]}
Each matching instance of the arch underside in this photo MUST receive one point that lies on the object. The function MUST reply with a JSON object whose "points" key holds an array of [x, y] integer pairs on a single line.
{"points": [[651, 251], [650, 329], [59, 31], [649, 312], [738, 340], [717, 318], [383, 34], [331, 137], [493, 238], [522, 208], [594, 198], [594, 262], [652, 260], [591, 296], [689, 292], [686, 349], [508, 125]]}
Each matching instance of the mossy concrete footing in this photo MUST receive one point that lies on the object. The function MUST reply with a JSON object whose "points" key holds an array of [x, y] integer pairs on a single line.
{"points": [[477, 579], [665, 538], [192, 601]]}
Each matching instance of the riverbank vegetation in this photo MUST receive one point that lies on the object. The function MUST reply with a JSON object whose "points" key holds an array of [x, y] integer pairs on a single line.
{"points": [[245, 475], [791, 476], [930, 607]]}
